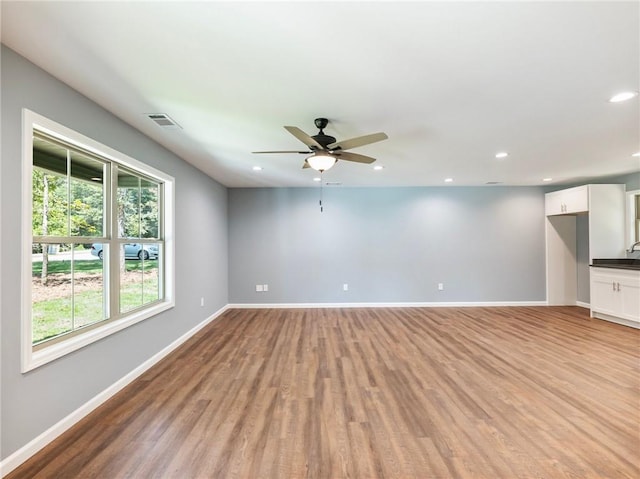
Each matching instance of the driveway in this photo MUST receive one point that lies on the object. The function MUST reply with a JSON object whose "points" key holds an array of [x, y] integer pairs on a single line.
{"points": [[82, 255]]}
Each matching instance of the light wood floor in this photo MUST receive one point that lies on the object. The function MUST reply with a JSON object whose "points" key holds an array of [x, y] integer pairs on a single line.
{"points": [[366, 393]]}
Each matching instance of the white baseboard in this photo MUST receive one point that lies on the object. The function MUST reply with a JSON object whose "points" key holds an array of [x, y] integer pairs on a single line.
{"points": [[32, 447], [615, 319], [386, 305], [583, 304]]}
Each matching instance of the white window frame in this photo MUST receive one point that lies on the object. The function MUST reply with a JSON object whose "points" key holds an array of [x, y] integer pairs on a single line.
{"points": [[35, 357], [631, 218]]}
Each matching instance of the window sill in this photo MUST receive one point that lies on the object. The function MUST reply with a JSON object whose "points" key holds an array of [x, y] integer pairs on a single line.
{"points": [[34, 359]]}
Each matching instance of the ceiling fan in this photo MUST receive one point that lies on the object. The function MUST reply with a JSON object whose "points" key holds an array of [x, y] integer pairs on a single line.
{"points": [[325, 150]]}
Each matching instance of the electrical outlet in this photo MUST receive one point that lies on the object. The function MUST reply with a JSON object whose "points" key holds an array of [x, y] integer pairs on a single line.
{"points": [[259, 288], [265, 287], [345, 287], [440, 286]]}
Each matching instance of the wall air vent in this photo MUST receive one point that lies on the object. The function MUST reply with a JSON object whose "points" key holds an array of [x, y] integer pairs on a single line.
{"points": [[163, 120]]}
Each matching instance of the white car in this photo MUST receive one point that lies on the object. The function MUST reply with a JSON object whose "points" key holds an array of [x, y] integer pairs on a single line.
{"points": [[131, 251]]}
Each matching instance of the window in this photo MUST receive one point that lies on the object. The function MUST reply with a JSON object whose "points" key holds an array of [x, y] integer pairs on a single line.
{"points": [[633, 217], [100, 253], [636, 222]]}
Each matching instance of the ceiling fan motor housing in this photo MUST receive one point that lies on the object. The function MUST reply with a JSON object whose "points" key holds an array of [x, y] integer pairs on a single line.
{"points": [[321, 138]]}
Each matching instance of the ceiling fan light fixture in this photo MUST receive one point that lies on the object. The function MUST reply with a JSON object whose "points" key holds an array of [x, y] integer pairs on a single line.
{"points": [[321, 161]]}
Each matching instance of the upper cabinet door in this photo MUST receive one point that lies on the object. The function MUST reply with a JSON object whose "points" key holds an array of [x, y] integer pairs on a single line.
{"points": [[567, 202]]}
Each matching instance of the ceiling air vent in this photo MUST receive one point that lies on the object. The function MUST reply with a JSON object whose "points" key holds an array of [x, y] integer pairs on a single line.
{"points": [[493, 183], [163, 120]]}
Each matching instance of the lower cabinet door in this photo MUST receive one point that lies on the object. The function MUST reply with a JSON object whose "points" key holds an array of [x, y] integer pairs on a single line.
{"points": [[630, 299], [604, 297]]}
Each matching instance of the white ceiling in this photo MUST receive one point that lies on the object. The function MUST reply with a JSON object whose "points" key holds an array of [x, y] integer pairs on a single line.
{"points": [[451, 83]]}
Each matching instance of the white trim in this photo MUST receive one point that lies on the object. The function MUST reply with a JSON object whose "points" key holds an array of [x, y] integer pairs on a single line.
{"points": [[462, 304], [37, 358], [35, 445], [630, 221], [582, 304], [27, 237]]}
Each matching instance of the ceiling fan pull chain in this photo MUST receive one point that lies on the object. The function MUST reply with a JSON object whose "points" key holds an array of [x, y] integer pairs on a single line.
{"points": [[321, 208]]}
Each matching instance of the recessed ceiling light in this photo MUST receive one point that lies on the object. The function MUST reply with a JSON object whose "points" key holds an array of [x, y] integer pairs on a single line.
{"points": [[636, 154], [317, 178], [547, 179], [257, 168], [502, 154], [448, 180], [378, 167], [624, 96]]}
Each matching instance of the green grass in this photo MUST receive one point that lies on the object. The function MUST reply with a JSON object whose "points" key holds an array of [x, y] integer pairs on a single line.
{"points": [[135, 295], [53, 317]]}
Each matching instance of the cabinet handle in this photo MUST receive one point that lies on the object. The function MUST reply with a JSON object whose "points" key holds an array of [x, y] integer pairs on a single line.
{"points": [[618, 286], [613, 283]]}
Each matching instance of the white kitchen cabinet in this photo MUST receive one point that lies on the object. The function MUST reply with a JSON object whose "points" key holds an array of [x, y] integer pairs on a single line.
{"points": [[569, 201], [604, 206], [615, 295]]}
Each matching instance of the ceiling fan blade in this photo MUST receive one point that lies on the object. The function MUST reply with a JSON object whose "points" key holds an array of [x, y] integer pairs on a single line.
{"points": [[304, 138], [345, 155], [359, 141], [301, 152]]}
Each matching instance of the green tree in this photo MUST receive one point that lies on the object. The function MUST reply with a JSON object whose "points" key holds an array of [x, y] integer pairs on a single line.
{"points": [[49, 210]]}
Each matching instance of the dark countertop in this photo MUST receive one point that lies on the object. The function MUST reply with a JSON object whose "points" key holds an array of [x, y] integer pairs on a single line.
{"points": [[617, 263]]}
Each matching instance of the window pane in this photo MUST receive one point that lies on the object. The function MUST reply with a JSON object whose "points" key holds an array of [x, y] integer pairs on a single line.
{"points": [[150, 268], [139, 284], [49, 192], [89, 294], [149, 209], [87, 192], [51, 291], [67, 289], [128, 205]]}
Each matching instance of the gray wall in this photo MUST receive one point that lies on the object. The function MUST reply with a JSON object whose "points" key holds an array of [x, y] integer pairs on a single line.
{"points": [[388, 244], [33, 402]]}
